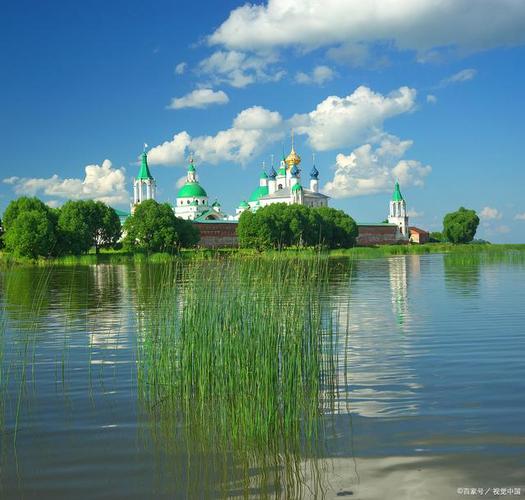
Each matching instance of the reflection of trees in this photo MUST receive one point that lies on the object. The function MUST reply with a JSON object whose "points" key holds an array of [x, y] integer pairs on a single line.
{"points": [[462, 272], [26, 297]]}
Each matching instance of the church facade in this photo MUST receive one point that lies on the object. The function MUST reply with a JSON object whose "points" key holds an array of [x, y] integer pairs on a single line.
{"points": [[281, 186]]}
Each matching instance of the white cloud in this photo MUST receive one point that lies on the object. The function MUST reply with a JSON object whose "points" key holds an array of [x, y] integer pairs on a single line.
{"points": [[345, 121], [180, 69], [419, 25], [181, 181], [489, 213], [432, 99], [369, 170], [257, 117], [319, 76], [414, 213], [251, 131], [239, 69], [461, 76], [199, 98], [101, 182], [336, 122], [520, 216]]}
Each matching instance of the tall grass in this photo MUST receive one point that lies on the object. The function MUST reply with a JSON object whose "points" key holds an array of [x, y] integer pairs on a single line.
{"points": [[242, 354]]}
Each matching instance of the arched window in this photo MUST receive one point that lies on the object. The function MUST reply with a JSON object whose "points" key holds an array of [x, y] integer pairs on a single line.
{"points": [[203, 202], [188, 202], [280, 186]]}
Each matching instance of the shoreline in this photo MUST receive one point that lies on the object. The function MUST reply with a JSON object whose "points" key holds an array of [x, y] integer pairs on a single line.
{"points": [[123, 257]]}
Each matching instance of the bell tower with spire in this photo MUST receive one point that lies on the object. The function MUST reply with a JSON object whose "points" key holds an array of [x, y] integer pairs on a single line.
{"points": [[144, 185], [398, 211]]}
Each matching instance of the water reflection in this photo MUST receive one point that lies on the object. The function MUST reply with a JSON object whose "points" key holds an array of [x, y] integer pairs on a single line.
{"points": [[419, 384]]}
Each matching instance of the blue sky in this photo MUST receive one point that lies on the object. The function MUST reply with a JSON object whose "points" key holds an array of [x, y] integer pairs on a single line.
{"points": [[425, 91]]}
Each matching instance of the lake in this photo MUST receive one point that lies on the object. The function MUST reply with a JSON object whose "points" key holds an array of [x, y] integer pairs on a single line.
{"points": [[421, 392]]}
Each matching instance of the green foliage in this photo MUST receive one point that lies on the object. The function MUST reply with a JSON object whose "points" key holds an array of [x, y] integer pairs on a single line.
{"points": [[31, 234], [30, 228], [280, 225], [154, 228], [87, 223], [1, 234], [460, 226], [436, 237]]}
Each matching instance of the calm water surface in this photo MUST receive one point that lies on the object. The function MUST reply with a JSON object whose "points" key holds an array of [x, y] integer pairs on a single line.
{"points": [[429, 395]]}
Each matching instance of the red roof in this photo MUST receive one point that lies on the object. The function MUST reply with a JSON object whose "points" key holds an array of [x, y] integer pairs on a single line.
{"points": [[417, 230]]}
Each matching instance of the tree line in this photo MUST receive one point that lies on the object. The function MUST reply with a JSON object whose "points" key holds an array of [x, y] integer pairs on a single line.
{"points": [[30, 228], [279, 226]]}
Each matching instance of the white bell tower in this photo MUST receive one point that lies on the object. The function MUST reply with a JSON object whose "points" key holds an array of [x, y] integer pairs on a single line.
{"points": [[398, 211]]}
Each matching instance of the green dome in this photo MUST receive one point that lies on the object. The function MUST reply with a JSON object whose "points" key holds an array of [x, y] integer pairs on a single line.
{"points": [[297, 187], [191, 190], [194, 203], [259, 192], [243, 204], [263, 175]]}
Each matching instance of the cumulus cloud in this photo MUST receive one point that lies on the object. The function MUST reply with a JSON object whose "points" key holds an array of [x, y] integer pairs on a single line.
{"points": [[368, 169], [180, 69], [239, 69], [345, 121], [489, 213], [318, 76], [251, 131], [424, 26], [431, 99], [461, 76], [199, 98], [520, 216], [101, 182]]}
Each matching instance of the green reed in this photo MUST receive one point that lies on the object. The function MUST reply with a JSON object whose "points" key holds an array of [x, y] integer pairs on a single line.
{"points": [[236, 362]]}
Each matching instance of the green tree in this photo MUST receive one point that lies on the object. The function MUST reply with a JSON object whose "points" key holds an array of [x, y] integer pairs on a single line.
{"points": [[436, 237], [31, 234], [280, 225], [87, 223], [1, 235], [154, 228], [104, 224], [460, 226], [338, 229], [30, 228]]}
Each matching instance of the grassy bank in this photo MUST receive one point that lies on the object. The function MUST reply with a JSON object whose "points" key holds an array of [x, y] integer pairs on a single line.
{"points": [[123, 257]]}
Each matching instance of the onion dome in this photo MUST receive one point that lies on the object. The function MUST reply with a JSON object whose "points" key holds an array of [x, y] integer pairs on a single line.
{"points": [[192, 190], [243, 204], [297, 187], [293, 158], [273, 173], [294, 171], [216, 203], [314, 173], [397, 196], [194, 203], [263, 175], [144, 172], [191, 166]]}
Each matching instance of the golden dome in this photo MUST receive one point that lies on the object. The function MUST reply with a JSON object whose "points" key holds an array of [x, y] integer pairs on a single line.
{"points": [[292, 159]]}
